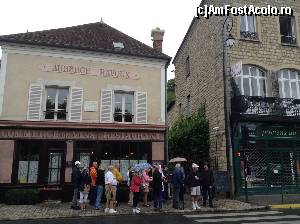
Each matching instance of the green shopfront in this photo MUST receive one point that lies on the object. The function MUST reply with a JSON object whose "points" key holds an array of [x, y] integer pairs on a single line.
{"points": [[271, 154]]}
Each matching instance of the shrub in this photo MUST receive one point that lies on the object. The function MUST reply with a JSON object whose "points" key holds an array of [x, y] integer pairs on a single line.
{"points": [[21, 197]]}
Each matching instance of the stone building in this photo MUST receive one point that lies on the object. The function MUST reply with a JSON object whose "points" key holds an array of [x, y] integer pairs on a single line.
{"points": [[88, 93], [257, 119]]}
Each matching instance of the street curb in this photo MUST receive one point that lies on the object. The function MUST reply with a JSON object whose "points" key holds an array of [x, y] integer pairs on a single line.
{"points": [[177, 212], [285, 206]]}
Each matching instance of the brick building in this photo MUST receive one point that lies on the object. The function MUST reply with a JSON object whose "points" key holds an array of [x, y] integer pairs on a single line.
{"points": [[261, 73]]}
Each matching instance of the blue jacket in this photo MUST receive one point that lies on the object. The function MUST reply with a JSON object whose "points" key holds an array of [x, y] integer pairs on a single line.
{"points": [[177, 178]]}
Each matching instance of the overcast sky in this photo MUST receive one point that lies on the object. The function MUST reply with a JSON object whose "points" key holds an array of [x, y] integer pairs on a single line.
{"points": [[133, 17]]}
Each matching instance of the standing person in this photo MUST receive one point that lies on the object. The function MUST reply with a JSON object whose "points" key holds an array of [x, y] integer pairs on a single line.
{"points": [[110, 190], [157, 188], [182, 188], [100, 183], [146, 182], [76, 176], [136, 183], [93, 174], [166, 183], [177, 181], [195, 185], [207, 181], [85, 186], [119, 178], [129, 178]]}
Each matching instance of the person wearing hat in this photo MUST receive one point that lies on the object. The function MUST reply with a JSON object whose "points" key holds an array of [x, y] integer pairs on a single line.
{"points": [[75, 178], [207, 181], [195, 186]]}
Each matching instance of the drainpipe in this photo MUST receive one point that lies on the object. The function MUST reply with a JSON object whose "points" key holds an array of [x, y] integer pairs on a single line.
{"points": [[166, 118]]}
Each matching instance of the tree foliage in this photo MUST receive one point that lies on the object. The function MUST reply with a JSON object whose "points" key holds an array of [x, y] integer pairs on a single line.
{"points": [[189, 137]]}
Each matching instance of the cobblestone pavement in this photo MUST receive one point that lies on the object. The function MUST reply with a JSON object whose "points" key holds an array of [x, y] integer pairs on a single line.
{"points": [[55, 209]]}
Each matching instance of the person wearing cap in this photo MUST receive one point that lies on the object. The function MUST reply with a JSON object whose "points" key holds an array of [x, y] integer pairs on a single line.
{"points": [[75, 178], [195, 186], [207, 181]]}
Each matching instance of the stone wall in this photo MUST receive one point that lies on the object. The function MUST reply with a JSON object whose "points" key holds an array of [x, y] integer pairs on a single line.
{"points": [[172, 114]]}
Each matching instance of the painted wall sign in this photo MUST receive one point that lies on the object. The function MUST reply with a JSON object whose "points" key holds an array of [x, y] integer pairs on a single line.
{"points": [[92, 71], [90, 106], [276, 133]]}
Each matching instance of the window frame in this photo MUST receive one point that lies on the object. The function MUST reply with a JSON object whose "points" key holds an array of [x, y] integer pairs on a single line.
{"points": [[294, 31], [56, 102], [247, 23], [58, 170], [123, 96], [281, 81], [187, 66], [250, 77]]}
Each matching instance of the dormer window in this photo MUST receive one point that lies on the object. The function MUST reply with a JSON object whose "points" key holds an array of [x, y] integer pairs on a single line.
{"points": [[118, 45]]}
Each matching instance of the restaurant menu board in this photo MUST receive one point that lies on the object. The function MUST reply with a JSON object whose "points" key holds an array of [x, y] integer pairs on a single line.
{"points": [[124, 165], [105, 163]]}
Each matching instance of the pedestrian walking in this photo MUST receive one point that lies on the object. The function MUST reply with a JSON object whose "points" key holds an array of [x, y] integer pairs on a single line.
{"points": [[93, 174], [207, 181], [100, 183], [85, 186], [146, 182], [177, 181], [195, 186], [157, 188], [136, 184], [75, 178], [110, 190]]}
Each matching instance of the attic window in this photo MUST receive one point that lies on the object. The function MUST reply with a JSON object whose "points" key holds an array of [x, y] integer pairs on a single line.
{"points": [[118, 45]]}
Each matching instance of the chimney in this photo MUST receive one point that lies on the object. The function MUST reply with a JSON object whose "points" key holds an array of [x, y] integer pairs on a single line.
{"points": [[157, 38]]}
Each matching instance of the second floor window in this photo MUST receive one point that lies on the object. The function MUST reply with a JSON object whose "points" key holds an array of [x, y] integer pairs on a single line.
{"points": [[287, 29], [123, 107], [248, 27], [252, 81], [289, 83], [56, 103], [187, 67]]}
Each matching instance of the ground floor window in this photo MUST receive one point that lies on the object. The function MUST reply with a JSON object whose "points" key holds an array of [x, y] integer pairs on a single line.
{"points": [[54, 170]]}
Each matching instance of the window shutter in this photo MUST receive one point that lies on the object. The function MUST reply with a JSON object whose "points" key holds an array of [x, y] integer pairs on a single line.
{"points": [[141, 108], [106, 106], [75, 113], [34, 102]]}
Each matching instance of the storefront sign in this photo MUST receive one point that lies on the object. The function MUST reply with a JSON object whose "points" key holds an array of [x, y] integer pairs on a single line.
{"points": [[80, 135], [276, 133], [90, 106], [92, 71]]}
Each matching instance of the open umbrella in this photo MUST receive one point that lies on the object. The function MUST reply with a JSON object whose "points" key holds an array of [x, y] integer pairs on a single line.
{"points": [[177, 160], [141, 166]]}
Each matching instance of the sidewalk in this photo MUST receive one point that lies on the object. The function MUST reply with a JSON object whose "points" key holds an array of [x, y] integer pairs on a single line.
{"points": [[55, 209]]}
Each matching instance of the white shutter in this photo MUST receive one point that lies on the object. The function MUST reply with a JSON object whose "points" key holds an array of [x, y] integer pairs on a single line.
{"points": [[141, 108], [34, 102], [106, 106], [75, 112]]}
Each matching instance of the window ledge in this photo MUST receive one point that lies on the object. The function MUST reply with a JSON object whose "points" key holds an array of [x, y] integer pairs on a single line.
{"points": [[289, 45], [251, 40]]}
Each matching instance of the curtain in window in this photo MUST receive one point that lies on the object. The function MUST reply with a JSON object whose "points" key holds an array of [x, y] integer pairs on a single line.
{"points": [[289, 82]]}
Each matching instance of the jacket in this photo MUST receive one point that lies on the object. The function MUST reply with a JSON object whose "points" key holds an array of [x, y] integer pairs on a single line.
{"points": [[76, 177], [93, 173], [85, 180], [136, 182], [117, 175], [206, 178], [157, 180], [177, 178], [193, 181], [100, 177]]}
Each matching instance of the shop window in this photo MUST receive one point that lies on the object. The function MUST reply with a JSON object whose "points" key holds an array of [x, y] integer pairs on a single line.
{"points": [[28, 165], [248, 27], [251, 82], [54, 168], [287, 29], [56, 103], [187, 67], [289, 82], [85, 158], [123, 107]]}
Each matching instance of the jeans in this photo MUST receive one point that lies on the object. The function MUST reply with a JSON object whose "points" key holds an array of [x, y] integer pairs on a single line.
{"points": [[157, 194], [136, 196], [75, 195], [176, 192], [92, 194], [99, 189], [206, 191]]}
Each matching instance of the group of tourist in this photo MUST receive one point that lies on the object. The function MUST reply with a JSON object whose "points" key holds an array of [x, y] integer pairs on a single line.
{"points": [[92, 182]]}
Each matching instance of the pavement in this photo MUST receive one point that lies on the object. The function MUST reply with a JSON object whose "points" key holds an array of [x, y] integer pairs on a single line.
{"points": [[250, 217], [55, 209]]}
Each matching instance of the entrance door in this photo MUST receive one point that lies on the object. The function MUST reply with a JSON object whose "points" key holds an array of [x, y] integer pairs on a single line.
{"points": [[55, 168]]}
